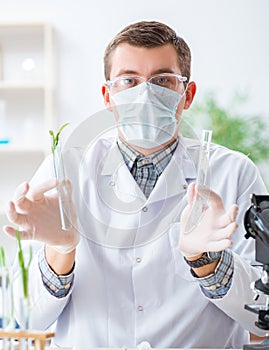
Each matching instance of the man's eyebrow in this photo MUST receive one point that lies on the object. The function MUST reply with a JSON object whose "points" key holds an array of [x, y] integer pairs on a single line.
{"points": [[133, 72], [126, 72], [164, 70]]}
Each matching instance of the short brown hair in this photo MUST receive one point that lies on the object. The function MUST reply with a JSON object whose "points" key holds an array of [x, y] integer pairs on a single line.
{"points": [[150, 34]]}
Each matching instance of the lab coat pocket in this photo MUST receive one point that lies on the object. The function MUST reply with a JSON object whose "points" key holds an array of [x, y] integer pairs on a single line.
{"points": [[180, 265]]}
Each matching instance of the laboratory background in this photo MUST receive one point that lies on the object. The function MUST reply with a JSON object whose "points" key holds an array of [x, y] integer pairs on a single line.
{"points": [[51, 73]]}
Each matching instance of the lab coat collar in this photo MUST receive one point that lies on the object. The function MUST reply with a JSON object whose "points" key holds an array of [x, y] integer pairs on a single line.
{"points": [[181, 169], [112, 160], [176, 176]]}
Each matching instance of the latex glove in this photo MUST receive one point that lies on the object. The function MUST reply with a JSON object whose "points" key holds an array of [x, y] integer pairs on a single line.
{"points": [[144, 345], [214, 230], [36, 212]]}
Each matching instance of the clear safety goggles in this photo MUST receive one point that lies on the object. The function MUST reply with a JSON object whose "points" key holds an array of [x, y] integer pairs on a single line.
{"points": [[170, 81]]}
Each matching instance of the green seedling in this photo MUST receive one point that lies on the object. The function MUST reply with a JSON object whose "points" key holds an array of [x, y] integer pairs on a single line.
{"points": [[55, 137], [23, 266], [2, 257]]}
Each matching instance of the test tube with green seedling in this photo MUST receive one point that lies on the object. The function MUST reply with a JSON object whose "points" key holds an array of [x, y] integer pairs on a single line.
{"points": [[4, 290], [8, 320], [25, 305], [63, 196], [23, 266]]}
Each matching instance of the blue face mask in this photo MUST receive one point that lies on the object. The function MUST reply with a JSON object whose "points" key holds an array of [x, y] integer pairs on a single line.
{"points": [[146, 114]]}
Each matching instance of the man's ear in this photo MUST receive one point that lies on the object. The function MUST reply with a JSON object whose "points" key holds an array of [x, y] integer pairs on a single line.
{"points": [[190, 93], [106, 96]]}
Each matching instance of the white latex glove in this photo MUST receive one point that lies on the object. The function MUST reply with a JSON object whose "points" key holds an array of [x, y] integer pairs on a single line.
{"points": [[214, 230], [37, 214], [144, 345]]}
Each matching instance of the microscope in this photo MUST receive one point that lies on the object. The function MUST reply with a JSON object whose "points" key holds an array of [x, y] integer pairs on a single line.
{"points": [[256, 223]]}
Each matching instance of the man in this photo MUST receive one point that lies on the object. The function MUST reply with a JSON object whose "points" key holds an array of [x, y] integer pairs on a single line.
{"points": [[129, 270]]}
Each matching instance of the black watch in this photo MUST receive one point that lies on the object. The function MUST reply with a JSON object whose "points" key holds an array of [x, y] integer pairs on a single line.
{"points": [[205, 259]]}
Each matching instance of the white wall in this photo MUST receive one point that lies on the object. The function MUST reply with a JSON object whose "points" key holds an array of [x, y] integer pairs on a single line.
{"points": [[228, 38]]}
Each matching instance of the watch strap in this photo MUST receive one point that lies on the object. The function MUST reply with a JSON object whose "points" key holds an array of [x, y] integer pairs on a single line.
{"points": [[205, 259]]}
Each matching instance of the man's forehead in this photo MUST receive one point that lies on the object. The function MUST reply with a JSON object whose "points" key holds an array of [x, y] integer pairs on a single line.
{"points": [[128, 59]]}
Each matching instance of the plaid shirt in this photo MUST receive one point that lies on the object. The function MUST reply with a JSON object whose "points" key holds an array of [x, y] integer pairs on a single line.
{"points": [[146, 171]]}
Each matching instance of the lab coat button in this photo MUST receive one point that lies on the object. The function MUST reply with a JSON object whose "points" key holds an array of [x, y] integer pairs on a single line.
{"points": [[138, 260], [145, 209], [112, 183], [140, 308], [184, 187]]}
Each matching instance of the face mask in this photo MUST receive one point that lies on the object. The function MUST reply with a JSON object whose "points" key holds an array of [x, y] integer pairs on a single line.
{"points": [[146, 114]]}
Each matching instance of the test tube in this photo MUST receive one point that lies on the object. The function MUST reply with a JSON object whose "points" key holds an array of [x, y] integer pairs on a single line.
{"points": [[200, 201], [63, 196]]}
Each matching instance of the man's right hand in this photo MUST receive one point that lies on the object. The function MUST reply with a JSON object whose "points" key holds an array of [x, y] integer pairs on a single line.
{"points": [[214, 230], [36, 212]]}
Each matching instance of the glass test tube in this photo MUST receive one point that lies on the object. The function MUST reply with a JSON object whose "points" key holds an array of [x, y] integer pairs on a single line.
{"points": [[63, 196], [200, 201]]}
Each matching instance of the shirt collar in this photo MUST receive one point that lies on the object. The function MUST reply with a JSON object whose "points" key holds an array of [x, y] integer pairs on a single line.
{"points": [[159, 159]]}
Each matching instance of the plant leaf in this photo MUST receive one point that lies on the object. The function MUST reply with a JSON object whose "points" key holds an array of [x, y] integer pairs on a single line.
{"points": [[55, 138], [24, 269], [2, 257]]}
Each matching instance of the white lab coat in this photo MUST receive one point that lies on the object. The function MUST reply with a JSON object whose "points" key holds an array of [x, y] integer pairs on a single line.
{"points": [[131, 282]]}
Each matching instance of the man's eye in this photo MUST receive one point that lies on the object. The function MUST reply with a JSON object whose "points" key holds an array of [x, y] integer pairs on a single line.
{"points": [[128, 81], [161, 81]]}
